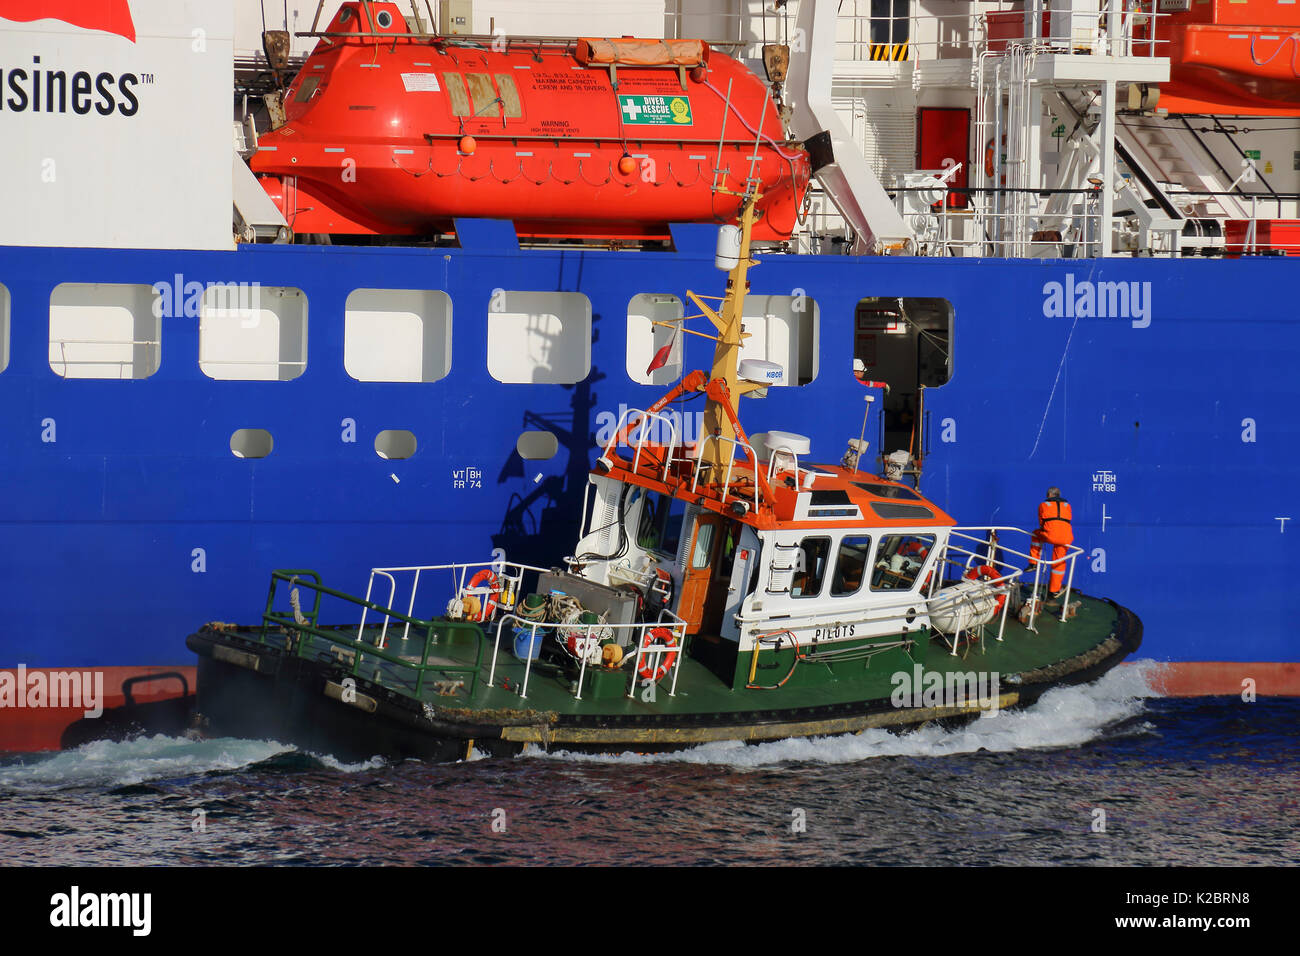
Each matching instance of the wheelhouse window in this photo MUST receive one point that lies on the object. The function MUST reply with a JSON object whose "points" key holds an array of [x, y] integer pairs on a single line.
{"points": [[661, 523], [810, 567], [851, 565], [899, 561]]}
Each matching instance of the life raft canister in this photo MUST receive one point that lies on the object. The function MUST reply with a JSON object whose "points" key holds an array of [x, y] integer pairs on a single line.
{"points": [[489, 605], [656, 666], [986, 572]]}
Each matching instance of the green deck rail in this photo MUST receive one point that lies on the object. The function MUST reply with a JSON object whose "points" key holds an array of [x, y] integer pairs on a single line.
{"points": [[311, 625]]}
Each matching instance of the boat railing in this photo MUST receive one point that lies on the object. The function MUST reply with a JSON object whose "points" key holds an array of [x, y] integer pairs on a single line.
{"points": [[641, 425], [737, 445], [670, 627], [986, 543], [782, 456], [500, 589], [340, 645]]}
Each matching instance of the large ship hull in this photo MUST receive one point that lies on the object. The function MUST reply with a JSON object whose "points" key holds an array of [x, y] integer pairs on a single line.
{"points": [[1185, 408]]}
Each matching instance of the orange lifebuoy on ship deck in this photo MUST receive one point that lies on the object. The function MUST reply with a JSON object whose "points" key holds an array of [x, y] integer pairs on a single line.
{"points": [[988, 160], [657, 668], [986, 572], [488, 577]]}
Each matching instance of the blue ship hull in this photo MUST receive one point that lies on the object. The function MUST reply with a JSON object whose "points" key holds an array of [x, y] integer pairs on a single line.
{"points": [[102, 525]]}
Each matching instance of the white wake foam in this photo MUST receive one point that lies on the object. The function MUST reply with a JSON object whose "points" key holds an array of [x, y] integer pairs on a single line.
{"points": [[107, 764], [1064, 717]]}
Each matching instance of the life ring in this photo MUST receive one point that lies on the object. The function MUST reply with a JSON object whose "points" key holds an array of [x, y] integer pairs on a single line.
{"points": [[486, 576], [988, 160], [986, 572], [655, 667]]}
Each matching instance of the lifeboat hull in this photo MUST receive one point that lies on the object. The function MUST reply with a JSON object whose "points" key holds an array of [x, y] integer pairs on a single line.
{"points": [[404, 136]]}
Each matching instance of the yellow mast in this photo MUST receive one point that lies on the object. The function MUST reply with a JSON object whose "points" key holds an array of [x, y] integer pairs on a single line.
{"points": [[727, 320]]}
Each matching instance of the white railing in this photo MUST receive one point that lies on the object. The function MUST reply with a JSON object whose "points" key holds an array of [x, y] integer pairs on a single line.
{"points": [[864, 37], [641, 631], [641, 425], [736, 444], [508, 582], [995, 545], [151, 363]]}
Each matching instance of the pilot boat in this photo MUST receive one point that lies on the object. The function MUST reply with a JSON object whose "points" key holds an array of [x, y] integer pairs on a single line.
{"points": [[728, 588]]}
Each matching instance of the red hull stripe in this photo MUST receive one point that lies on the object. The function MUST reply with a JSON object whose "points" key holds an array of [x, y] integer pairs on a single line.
{"points": [[1226, 678], [29, 729], [111, 16]]}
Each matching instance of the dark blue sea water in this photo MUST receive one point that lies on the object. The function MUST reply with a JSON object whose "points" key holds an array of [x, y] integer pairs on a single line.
{"points": [[1104, 774]]}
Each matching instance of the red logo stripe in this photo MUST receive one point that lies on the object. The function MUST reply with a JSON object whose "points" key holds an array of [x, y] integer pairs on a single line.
{"points": [[111, 16]]}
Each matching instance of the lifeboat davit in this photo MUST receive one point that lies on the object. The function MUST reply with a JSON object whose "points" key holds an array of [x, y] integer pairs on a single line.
{"points": [[391, 133]]}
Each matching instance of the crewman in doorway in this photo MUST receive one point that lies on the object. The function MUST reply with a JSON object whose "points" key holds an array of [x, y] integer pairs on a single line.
{"points": [[1054, 527]]}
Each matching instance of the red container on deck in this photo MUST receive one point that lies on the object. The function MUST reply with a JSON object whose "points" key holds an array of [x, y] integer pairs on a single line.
{"points": [[1270, 234]]}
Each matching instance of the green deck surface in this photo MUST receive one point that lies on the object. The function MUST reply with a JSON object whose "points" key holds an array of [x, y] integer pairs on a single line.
{"points": [[700, 691]]}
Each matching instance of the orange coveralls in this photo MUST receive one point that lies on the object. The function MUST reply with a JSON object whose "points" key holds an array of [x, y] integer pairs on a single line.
{"points": [[1054, 527]]}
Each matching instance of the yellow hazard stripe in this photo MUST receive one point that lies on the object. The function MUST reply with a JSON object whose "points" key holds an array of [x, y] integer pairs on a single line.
{"points": [[889, 51]]}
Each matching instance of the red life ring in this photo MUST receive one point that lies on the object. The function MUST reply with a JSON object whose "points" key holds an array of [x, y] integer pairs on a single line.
{"points": [[662, 663], [986, 572], [486, 576]]}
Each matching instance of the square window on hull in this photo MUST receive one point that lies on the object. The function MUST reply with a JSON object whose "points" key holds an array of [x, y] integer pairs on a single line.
{"points": [[104, 330], [249, 332], [539, 337], [397, 335]]}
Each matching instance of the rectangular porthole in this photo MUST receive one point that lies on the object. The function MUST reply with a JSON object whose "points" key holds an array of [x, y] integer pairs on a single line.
{"points": [[784, 329], [539, 337], [397, 335], [104, 330], [645, 340], [249, 332]]}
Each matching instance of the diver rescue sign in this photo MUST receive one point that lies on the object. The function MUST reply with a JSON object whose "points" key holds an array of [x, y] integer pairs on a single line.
{"points": [[638, 110]]}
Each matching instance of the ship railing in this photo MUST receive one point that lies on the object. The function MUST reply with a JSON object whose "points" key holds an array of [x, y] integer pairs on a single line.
{"points": [[885, 39], [736, 445], [123, 364], [988, 542], [670, 627], [407, 674], [956, 560], [642, 425], [782, 456], [1003, 222], [499, 591]]}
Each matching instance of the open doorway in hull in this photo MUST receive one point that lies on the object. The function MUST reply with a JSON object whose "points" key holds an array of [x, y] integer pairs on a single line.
{"points": [[906, 342]]}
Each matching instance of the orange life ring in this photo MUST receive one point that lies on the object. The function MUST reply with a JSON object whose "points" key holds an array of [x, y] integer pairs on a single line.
{"points": [[988, 159], [662, 663], [486, 576], [986, 572]]}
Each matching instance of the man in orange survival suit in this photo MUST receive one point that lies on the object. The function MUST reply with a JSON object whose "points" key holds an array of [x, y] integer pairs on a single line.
{"points": [[1053, 527]]}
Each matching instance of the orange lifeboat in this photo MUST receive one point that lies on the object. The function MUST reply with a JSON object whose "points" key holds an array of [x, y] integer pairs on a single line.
{"points": [[386, 133], [1240, 57]]}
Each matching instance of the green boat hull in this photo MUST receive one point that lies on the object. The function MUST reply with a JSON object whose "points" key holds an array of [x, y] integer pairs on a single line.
{"points": [[337, 695]]}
